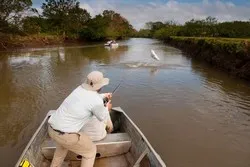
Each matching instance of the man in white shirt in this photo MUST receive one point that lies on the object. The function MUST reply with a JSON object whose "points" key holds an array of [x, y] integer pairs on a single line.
{"points": [[96, 129], [75, 112]]}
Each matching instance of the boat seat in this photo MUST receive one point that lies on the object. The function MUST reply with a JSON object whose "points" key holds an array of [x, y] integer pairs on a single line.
{"points": [[112, 145]]}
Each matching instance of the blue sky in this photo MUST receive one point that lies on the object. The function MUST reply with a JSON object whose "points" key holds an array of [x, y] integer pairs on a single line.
{"points": [[138, 12]]}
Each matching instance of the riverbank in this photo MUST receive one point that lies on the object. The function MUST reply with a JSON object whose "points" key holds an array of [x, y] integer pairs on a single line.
{"points": [[231, 55], [9, 42]]}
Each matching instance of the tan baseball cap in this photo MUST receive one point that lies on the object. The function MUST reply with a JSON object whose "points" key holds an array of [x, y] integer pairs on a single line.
{"points": [[95, 81]]}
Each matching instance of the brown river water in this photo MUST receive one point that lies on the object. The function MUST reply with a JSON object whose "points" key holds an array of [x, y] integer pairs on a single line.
{"points": [[193, 115]]}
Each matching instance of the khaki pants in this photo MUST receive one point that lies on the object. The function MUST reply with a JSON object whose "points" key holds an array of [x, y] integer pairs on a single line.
{"points": [[78, 143]]}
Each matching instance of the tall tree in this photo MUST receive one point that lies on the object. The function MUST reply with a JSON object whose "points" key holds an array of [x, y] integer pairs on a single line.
{"points": [[108, 13], [118, 26], [11, 12], [108, 25], [66, 15], [96, 29]]}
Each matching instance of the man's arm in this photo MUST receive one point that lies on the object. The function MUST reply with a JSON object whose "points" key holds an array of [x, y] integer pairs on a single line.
{"points": [[102, 112], [108, 95], [50, 113], [109, 125]]}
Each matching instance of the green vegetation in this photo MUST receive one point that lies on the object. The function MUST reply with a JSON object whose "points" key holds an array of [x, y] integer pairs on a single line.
{"points": [[63, 19], [229, 45], [229, 54], [11, 14], [208, 27], [108, 25]]}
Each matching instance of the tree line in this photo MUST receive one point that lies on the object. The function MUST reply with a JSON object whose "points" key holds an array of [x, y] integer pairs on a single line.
{"points": [[61, 17], [209, 27], [65, 18]]}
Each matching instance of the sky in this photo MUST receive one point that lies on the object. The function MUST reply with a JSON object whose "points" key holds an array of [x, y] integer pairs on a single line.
{"points": [[138, 12]]}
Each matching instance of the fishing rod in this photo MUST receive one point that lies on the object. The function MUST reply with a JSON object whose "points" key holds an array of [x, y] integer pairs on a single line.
{"points": [[106, 99]]}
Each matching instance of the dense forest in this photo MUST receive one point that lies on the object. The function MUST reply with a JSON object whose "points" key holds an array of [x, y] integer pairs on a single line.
{"points": [[209, 27], [63, 18]]}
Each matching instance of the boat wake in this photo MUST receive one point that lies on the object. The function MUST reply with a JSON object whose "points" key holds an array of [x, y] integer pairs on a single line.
{"points": [[154, 65], [142, 64]]}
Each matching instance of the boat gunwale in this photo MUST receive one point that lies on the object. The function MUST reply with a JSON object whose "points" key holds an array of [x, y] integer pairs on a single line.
{"points": [[31, 141]]}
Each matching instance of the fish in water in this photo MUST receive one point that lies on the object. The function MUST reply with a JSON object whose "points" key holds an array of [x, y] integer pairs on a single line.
{"points": [[154, 55]]}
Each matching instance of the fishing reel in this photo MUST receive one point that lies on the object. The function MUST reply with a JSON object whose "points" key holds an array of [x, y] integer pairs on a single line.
{"points": [[105, 101]]}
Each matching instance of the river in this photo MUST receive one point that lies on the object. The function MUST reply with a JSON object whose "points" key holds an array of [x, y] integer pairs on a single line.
{"points": [[193, 114]]}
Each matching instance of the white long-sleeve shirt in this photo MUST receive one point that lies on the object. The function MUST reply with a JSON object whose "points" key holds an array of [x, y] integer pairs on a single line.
{"points": [[95, 129], [77, 109]]}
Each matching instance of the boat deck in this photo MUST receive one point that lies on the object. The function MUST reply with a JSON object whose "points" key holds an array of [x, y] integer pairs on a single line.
{"points": [[112, 151], [116, 161]]}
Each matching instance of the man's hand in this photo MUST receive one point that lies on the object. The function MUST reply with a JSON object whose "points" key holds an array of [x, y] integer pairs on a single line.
{"points": [[108, 95], [109, 129], [109, 105]]}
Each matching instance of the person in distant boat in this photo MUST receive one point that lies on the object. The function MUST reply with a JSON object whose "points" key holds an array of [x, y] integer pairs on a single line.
{"points": [[75, 112]]}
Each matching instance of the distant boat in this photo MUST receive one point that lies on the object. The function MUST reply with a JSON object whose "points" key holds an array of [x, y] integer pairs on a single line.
{"points": [[111, 44], [154, 55], [126, 146], [108, 43]]}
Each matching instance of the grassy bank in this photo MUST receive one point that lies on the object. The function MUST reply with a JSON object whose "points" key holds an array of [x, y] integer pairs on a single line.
{"points": [[229, 54], [10, 42]]}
